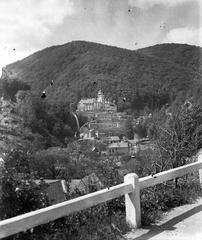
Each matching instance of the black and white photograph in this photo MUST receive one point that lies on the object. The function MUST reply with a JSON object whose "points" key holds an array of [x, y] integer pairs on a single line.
{"points": [[101, 119]]}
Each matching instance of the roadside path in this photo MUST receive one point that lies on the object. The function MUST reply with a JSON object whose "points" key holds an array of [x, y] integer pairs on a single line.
{"points": [[181, 223]]}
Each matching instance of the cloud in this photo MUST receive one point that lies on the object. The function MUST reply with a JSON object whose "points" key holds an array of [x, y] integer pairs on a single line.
{"points": [[47, 12], [146, 4], [9, 55], [26, 24], [187, 35]]}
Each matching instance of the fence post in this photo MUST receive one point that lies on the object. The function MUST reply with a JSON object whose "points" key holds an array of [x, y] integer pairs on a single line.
{"points": [[200, 170], [132, 201]]}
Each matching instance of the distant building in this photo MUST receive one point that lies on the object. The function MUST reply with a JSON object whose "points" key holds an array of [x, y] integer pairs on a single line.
{"points": [[118, 148], [136, 145], [88, 105], [131, 147], [85, 184], [95, 104], [113, 139], [88, 133], [101, 98]]}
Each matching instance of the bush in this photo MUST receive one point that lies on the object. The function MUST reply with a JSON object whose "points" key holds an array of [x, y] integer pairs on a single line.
{"points": [[103, 221], [125, 158], [162, 197], [94, 223]]}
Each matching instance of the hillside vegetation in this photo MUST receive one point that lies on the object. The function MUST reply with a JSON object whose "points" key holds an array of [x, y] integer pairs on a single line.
{"points": [[178, 140], [152, 77], [33, 123]]}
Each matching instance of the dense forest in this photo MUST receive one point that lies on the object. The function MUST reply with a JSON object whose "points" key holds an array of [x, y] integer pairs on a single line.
{"points": [[150, 77]]}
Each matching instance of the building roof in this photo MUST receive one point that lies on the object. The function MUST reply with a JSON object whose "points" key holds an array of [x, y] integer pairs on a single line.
{"points": [[83, 185], [56, 190], [114, 138], [100, 92], [133, 141], [118, 145], [86, 101], [49, 181]]}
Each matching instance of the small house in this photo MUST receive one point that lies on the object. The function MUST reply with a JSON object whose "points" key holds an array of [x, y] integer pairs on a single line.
{"points": [[113, 139], [118, 148], [85, 184]]}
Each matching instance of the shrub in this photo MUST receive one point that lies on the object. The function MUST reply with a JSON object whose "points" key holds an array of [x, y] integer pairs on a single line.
{"points": [[162, 197], [94, 223], [103, 221]]}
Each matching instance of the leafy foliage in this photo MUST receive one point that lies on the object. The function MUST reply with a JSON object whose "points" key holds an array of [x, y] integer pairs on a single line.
{"points": [[176, 138], [177, 135], [103, 221], [141, 128], [163, 197], [49, 164], [129, 134], [11, 86], [20, 194], [54, 122]]}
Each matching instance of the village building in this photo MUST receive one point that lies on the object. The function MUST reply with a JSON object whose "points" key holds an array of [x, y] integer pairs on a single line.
{"points": [[113, 139], [88, 133], [57, 188], [136, 145], [85, 184], [96, 104], [131, 147], [118, 148]]}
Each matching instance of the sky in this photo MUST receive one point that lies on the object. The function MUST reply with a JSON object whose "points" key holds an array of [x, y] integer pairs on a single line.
{"points": [[27, 26]]}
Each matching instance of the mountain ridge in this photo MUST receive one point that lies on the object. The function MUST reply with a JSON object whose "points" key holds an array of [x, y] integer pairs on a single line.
{"points": [[79, 68]]}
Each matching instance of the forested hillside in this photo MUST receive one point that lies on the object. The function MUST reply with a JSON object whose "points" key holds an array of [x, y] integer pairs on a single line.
{"points": [[152, 77]]}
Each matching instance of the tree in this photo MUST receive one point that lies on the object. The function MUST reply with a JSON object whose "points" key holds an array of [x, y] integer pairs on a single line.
{"points": [[50, 164], [51, 122], [57, 129], [141, 128], [129, 129], [178, 136], [20, 194], [12, 86]]}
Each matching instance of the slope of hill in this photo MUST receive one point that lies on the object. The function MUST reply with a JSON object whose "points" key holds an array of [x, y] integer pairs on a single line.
{"points": [[35, 125], [9, 123], [182, 55], [150, 77]]}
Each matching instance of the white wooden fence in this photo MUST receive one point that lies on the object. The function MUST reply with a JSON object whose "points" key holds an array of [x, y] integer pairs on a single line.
{"points": [[130, 188]]}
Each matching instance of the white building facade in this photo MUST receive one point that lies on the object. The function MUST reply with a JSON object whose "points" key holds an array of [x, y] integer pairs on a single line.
{"points": [[99, 103]]}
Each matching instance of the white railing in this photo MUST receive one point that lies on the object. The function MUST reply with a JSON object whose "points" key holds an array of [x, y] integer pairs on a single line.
{"points": [[130, 188]]}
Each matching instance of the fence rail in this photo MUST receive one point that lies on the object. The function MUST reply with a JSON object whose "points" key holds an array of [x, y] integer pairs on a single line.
{"points": [[32, 219], [149, 181], [130, 188]]}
